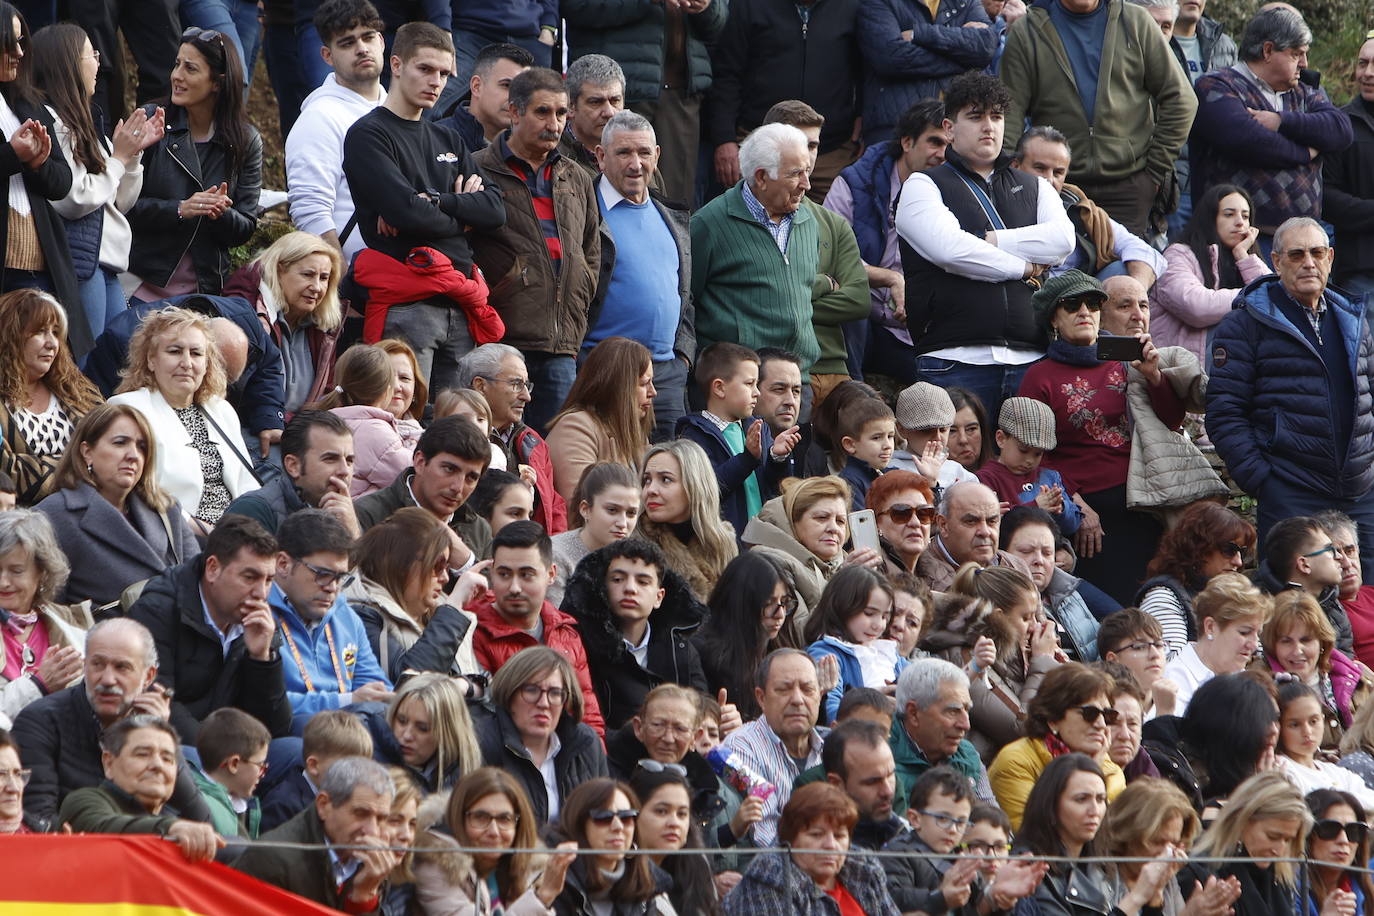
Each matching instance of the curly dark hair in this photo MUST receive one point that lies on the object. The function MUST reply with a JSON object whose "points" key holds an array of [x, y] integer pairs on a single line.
{"points": [[981, 90], [1202, 530]]}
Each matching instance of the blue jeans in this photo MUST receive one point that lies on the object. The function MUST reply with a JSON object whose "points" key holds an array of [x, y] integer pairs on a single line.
{"points": [[992, 384], [1180, 217], [236, 20], [102, 298], [313, 67], [1277, 500], [466, 46], [552, 377]]}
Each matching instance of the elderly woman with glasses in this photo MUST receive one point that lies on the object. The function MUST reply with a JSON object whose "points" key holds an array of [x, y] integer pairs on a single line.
{"points": [[13, 779], [40, 642], [904, 506], [1072, 713], [536, 718], [1088, 396]]}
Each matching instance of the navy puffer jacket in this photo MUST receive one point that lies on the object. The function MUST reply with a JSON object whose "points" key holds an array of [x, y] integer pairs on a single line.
{"points": [[1268, 408]]}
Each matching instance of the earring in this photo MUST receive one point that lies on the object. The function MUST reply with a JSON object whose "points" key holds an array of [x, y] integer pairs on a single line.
{"points": [[90, 469], [1211, 636]]}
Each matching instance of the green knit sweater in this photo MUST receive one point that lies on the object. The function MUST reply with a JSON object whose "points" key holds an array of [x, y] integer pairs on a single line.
{"points": [[839, 260], [745, 291]]}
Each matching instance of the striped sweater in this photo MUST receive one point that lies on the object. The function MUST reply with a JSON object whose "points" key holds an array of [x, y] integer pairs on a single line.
{"points": [[745, 290]]}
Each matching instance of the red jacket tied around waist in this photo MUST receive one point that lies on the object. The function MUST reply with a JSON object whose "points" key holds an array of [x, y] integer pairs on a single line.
{"points": [[424, 273]]}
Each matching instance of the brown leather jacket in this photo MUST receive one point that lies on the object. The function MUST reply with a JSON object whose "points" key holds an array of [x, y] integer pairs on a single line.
{"points": [[543, 311]]}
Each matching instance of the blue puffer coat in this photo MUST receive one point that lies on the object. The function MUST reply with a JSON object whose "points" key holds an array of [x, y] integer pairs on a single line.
{"points": [[898, 72], [1268, 408]]}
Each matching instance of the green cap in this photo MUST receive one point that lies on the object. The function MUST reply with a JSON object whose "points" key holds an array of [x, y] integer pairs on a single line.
{"points": [[1069, 283]]}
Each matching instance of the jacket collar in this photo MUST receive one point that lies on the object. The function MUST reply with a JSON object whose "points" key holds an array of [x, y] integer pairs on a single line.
{"points": [[127, 803], [736, 207], [490, 619], [102, 522], [586, 600]]}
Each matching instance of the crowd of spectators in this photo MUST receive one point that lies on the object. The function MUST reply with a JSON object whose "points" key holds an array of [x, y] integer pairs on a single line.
{"points": [[707, 440]]}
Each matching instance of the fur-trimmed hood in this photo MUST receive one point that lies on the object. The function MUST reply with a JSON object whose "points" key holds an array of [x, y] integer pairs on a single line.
{"points": [[958, 622], [445, 872]]}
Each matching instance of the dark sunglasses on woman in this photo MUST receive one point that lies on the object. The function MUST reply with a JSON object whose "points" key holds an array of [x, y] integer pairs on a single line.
{"points": [[901, 513], [1329, 829], [1090, 714]]}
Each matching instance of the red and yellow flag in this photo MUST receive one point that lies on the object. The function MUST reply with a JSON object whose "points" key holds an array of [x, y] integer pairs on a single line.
{"points": [[85, 875]]}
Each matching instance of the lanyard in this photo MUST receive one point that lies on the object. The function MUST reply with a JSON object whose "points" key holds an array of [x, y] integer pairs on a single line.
{"points": [[300, 662], [983, 201]]}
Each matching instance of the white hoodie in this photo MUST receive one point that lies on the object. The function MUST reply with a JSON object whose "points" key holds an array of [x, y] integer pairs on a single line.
{"points": [[318, 194]]}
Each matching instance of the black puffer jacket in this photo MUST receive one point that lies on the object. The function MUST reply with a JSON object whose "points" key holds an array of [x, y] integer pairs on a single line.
{"points": [[173, 170], [620, 682]]}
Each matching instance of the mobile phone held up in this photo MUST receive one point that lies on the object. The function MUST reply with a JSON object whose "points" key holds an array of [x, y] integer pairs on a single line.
{"points": [[863, 530], [1125, 349]]}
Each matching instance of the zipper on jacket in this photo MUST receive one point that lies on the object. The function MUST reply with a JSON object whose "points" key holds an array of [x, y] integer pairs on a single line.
{"points": [[195, 231]]}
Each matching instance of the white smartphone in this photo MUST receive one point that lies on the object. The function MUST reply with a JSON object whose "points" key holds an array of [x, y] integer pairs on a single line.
{"points": [[863, 530]]}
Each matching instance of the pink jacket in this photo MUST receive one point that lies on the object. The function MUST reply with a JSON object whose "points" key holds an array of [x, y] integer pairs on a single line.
{"points": [[1182, 307], [382, 453], [1345, 678]]}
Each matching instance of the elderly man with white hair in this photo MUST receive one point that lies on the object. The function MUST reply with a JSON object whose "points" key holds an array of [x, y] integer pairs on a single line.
{"points": [[931, 727], [754, 252], [1290, 403]]}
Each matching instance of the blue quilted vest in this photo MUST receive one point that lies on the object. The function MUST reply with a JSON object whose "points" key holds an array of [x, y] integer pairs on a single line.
{"points": [[870, 184], [83, 238]]}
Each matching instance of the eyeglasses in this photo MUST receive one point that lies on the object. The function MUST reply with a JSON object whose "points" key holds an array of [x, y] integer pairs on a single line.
{"points": [[1329, 548], [780, 608], [197, 34], [327, 577], [1091, 714], [1074, 303], [1300, 255], [901, 513], [260, 764], [604, 816], [532, 693], [946, 821], [1330, 829], [19, 778], [979, 848], [653, 766], [514, 384], [1144, 645], [480, 820], [95, 55], [662, 726]]}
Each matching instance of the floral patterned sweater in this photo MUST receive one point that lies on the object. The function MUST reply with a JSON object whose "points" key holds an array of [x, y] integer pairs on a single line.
{"points": [[1091, 423]]}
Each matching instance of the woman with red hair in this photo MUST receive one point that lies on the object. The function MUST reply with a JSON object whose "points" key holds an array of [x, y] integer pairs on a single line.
{"points": [[905, 508], [1208, 540]]}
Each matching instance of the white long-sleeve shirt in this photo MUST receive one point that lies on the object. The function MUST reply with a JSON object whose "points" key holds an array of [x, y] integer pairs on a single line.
{"points": [[317, 191], [933, 230], [116, 190]]}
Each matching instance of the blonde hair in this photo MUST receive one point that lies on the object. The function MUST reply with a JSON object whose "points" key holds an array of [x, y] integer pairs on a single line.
{"points": [[447, 402], [404, 788], [1292, 609], [1230, 597], [395, 347], [286, 252], [72, 470], [136, 373], [1264, 796], [456, 742], [1141, 811], [715, 538], [799, 494]]}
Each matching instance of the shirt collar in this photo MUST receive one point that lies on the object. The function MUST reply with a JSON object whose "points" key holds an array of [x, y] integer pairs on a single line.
{"points": [[508, 156], [757, 208], [341, 869], [225, 639], [417, 502], [609, 195], [720, 422], [643, 643]]}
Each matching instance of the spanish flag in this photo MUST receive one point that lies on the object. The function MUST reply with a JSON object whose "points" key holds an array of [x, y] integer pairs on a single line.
{"points": [[90, 874]]}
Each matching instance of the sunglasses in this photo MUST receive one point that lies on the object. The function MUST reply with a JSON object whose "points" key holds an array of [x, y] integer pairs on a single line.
{"points": [[1090, 714], [197, 34], [901, 513], [604, 816], [1328, 829], [1232, 549], [653, 766], [1299, 255], [1074, 303]]}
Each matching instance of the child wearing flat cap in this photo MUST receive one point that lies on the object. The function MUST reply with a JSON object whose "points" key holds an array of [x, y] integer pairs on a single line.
{"points": [[1025, 432]]}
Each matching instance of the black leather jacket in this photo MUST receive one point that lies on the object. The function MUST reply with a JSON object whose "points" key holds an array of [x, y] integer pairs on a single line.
{"points": [[173, 170]]}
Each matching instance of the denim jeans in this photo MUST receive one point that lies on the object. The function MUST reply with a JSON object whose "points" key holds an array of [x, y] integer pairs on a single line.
{"points": [[236, 20], [102, 298], [670, 403], [552, 377], [287, 72], [992, 384], [466, 46], [439, 336]]}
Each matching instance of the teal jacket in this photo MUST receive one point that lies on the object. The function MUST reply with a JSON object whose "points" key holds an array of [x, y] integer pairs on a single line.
{"points": [[911, 763], [746, 291], [223, 817]]}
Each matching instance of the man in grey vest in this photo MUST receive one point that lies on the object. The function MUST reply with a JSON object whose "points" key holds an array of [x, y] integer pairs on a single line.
{"points": [[975, 236]]}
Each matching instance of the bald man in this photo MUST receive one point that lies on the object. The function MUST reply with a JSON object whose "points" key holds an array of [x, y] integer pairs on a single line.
{"points": [[1126, 312], [967, 527], [233, 347]]}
